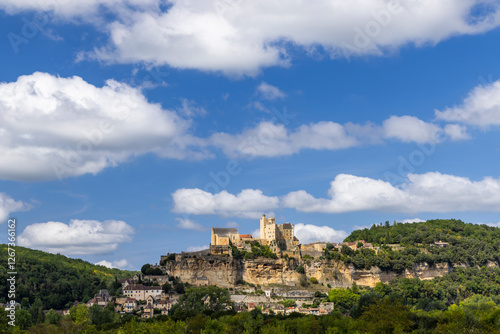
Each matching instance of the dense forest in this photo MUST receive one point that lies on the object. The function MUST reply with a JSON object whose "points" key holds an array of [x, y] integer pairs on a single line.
{"points": [[56, 280], [468, 245]]}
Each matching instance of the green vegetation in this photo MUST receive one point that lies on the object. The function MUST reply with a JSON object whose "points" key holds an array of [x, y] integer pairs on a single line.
{"points": [[56, 280], [469, 244], [207, 300], [258, 250], [148, 270]]}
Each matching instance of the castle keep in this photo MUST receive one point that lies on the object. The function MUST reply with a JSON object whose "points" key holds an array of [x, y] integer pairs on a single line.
{"points": [[279, 237]]}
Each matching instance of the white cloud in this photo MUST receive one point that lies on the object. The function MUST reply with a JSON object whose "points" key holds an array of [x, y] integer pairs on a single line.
{"points": [[121, 264], [411, 129], [8, 205], [494, 224], [87, 9], [248, 203], [269, 140], [77, 237], [196, 248], [307, 233], [480, 108], [430, 192], [85, 128], [241, 37], [456, 132], [188, 224], [270, 92], [189, 108], [413, 220], [232, 224]]}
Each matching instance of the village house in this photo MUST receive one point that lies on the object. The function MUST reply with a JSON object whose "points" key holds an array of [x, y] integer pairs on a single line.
{"points": [[130, 305], [141, 292], [126, 281], [102, 299]]}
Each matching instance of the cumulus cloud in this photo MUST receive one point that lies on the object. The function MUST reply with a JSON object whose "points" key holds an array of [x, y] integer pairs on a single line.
{"points": [[411, 129], [248, 203], [189, 224], [269, 92], [241, 37], [307, 233], [196, 248], [494, 224], [77, 237], [480, 108], [430, 192], [115, 264], [8, 205], [269, 140], [456, 132], [85, 128]]}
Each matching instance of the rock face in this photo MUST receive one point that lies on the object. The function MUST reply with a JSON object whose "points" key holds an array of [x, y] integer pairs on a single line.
{"points": [[224, 271]]}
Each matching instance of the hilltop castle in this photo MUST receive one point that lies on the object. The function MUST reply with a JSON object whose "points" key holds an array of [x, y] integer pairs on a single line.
{"points": [[279, 237]]}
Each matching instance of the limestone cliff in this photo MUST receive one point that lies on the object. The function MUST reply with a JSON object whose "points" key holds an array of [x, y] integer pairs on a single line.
{"points": [[224, 271]]}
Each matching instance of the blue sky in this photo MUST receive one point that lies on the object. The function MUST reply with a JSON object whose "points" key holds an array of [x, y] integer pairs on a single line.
{"points": [[128, 128]]}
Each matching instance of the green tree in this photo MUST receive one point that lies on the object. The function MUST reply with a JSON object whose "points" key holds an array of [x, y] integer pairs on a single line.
{"points": [[53, 317], [36, 311], [23, 319], [387, 316], [344, 299]]}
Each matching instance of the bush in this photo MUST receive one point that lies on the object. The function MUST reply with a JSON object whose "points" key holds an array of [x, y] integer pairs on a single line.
{"points": [[300, 270], [314, 280]]}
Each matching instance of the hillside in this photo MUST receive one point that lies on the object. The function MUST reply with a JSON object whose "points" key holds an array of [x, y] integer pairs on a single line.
{"points": [[57, 280], [467, 245]]}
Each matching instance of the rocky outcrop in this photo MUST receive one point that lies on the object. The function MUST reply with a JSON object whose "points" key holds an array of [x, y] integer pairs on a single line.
{"points": [[224, 271]]}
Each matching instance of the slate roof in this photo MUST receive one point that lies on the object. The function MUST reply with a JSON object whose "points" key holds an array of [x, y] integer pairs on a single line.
{"points": [[223, 232]]}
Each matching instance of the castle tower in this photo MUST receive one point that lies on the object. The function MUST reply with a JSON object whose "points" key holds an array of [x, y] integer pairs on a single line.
{"points": [[263, 223]]}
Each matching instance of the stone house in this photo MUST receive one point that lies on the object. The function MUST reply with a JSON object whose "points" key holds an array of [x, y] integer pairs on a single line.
{"points": [[141, 292], [130, 305]]}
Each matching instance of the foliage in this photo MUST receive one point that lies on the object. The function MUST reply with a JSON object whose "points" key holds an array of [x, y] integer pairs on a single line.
{"points": [[148, 270], [201, 299], [288, 303], [300, 269], [55, 280], [170, 257], [257, 250], [343, 299], [469, 244]]}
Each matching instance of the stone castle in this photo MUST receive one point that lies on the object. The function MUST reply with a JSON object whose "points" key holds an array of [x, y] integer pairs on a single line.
{"points": [[279, 237]]}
